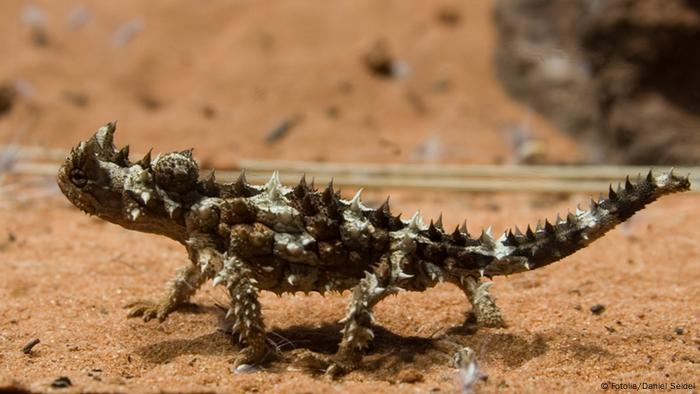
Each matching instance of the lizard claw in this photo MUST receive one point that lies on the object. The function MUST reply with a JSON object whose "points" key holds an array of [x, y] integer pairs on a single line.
{"points": [[337, 369], [311, 360], [332, 366], [148, 310]]}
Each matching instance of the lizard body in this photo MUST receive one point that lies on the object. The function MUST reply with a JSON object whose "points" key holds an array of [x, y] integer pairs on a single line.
{"points": [[249, 238]]}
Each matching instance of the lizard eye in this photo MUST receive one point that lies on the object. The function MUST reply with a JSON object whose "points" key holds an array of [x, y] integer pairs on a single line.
{"points": [[78, 177]]}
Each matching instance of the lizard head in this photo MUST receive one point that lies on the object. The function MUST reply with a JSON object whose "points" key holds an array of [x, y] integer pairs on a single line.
{"points": [[99, 179]]}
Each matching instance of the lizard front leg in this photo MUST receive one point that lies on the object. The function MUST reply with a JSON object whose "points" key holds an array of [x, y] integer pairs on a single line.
{"points": [[179, 290], [237, 276], [483, 304], [205, 259]]}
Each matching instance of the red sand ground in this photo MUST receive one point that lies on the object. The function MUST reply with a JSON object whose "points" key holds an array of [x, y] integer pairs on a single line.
{"points": [[218, 77]]}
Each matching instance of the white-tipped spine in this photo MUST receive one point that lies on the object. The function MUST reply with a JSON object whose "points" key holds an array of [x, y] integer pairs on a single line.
{"points": [[355, 203]]}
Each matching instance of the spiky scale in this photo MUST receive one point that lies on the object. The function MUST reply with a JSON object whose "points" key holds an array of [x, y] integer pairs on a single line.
{"points": [[612, 195], [438, 223], [208, 185], [457, 237], [328, 195], [307, 205], [433, 233], [650, 178], [629, 187], [145, 197], [240, 187], [463, 227], [395, 222], [211, 179], [301, 189], [187, 153], [530, 235], [416, 222], [402, 275], [122, 157], [330, 201], [145, 162], [548, 228], [511, 239], [355, 202], [485, 238], [381, 215], [273, 186]]}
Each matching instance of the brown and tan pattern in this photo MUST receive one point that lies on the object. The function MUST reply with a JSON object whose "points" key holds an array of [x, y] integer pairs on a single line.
{"points": [[249, 238]]}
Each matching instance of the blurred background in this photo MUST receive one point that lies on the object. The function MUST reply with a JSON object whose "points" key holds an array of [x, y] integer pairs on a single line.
{"points": [[468, 82]]}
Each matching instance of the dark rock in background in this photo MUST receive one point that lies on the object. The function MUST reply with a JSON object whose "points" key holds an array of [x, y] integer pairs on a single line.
{"points": [[622, 75]]}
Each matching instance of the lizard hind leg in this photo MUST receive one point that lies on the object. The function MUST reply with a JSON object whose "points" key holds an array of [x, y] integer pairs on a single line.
{"points": [[245, 311], [357, 331], [483, 305]]}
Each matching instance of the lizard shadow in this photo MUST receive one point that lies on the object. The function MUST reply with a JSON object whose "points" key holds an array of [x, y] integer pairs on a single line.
{"points": [[514, 350], [389, 353], [387, 346]]}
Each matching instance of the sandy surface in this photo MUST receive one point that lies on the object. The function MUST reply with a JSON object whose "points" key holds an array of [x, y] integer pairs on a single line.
{"points": [[219, 77], [66, 277]]}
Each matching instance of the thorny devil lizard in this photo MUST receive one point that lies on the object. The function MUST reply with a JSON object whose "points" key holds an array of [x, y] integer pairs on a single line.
{"points": [[249, 238]]}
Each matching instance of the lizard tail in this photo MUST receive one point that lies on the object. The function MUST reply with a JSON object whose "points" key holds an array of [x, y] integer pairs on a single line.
{"points": [[518, 252]]}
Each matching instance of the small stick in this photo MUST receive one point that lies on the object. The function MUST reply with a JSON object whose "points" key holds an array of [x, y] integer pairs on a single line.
{"points": [[281, 130], [511, 178], [30, 345]]}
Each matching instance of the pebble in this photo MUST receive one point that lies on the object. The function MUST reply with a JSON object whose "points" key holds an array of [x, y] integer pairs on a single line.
{"points": [[61, 383], [597, 309]]}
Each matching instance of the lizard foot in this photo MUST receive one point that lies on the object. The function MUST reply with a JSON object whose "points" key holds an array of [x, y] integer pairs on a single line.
{"points": [[492, 319], [333, 366], [248, 359], [148, 310]]}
